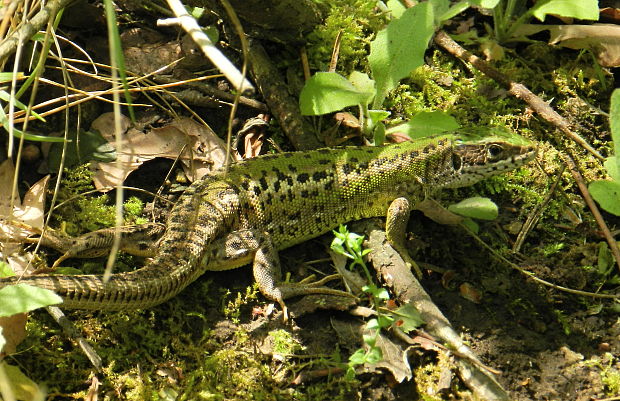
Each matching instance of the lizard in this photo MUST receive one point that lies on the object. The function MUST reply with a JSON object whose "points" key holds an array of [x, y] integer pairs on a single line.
{"points": [[249, 211]]}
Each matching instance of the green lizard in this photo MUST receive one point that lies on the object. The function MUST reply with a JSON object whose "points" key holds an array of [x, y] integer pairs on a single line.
{"points": [[260, 206]]}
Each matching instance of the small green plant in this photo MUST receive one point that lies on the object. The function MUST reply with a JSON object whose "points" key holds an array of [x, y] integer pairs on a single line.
{"points": [[509, 15], [350, 245], [399, 48], [607, 192], [394, 53]]}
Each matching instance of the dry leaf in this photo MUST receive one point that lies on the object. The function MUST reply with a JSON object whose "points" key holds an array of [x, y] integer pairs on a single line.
{"points": [[252, 135], [395, 359], [201, 150], [13, 331], [470, 293], [30, 212], [602, 39]]}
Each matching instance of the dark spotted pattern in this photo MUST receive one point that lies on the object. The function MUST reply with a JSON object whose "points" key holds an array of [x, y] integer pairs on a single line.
{"points": [[265, 204]]}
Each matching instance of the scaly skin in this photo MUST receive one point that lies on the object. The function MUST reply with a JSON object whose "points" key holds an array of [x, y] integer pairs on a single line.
{"points": [[269, 203]]}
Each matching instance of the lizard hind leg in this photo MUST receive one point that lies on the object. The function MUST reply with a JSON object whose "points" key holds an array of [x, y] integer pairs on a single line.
{"points": [[239, 247]]}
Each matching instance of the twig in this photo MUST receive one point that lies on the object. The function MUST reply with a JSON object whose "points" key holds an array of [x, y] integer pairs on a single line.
{"points": [[283, 106], [533, 218], [30, 27], [407, 289], [72, 332], [572, 167], [190, 25], [514, 88], [545, 111]]}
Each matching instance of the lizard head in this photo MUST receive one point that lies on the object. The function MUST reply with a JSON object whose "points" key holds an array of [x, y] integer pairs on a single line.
{"points": [[481, 153]]}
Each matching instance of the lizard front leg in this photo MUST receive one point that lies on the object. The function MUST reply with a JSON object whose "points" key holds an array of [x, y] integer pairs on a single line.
{"points": [[395, 228], [243, 246]]}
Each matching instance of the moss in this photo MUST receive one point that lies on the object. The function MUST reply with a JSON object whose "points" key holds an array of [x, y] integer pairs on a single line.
{"points": [[284, 343], [80, 213], [356, 22]]}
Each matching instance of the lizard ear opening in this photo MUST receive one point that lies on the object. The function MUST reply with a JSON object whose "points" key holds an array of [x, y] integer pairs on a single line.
{"points": [[456, 162]]}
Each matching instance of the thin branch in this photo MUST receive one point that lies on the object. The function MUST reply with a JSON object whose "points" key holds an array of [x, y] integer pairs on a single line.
{"points": [[514, 88], [29, 28], [190, 25]]}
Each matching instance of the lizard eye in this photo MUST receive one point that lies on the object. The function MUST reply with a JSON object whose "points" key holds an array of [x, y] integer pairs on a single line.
{"points": [[456, 162], [494, 151]]}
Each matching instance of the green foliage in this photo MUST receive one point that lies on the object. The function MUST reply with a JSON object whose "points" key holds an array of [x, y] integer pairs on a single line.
{"points": [[5, 270], [82, 148], [607, 193], [327, 92], [355, 22], [397, 49], [408, 318], [509, 15], [81, 213], [400, 47], [426, 123], [284, 342], [476, 207], [22, 298]]}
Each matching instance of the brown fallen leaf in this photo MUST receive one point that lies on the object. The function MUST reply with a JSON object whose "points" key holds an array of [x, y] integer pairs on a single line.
{"points": [[13, 331], [470, 293], [602, 39], [17, 217], [200, 150]]}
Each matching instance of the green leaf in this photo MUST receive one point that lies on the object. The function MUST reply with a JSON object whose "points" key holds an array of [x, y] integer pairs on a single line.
{"points": [[363, 83], [476, 207], [399, 48], [396, 7], [605, 260], [379, 134], [374, 355], [385, 321], [370, 339], [358, 357], [607, 194], [614, 123], [612, 167], [426, 123], [382, 294], [453, 11], [373, 324], [409, 316], [484, 3], [5, 270], [581, 9], [83, 147], [4, 95], [22, 387], [6, 77], [21, 298], [327, 92], [471, 225]]}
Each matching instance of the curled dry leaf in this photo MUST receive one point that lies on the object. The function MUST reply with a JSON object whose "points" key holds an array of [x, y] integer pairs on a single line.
{"points": [[470, 293], [29, 212], [200, 150], [602, 39]]}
